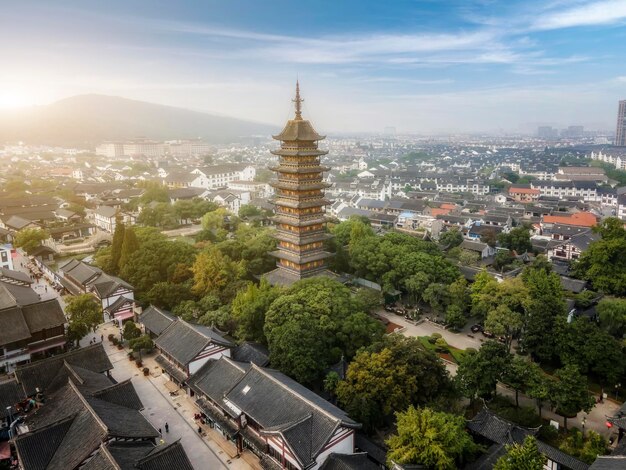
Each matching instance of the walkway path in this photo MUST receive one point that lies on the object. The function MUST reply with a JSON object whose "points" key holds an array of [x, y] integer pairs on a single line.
{"points": [[161, 408]]}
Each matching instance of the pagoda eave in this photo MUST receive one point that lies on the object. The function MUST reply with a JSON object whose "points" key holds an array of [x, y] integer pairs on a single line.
{"points": [[301, 258], [299, 170], [298, 186], [289, 238], [298, 152], [295, 204], [295, 222]]}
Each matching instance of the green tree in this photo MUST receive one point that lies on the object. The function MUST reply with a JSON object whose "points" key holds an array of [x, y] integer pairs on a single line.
{"points": [[248, 210], [545, 311], [469, 258], [213, 272], [30, 238], [603, 263], [310, 325], [249, 307], [438, 297], [451, 238], [116, 244], [524, 456], [156, 260], [519, 375], [77, 330], [612, 315], [389, 376], [84, 309], [570, 393], [479, 373], [455, 317], [168, 295], [503, 321], [131, 331], [539, 386], [143, 342], [584, 448], [518, 240], [433, 439], [129, 246]]}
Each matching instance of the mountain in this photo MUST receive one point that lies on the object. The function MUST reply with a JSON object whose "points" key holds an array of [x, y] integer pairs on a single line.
{"points": [[86, 120]]}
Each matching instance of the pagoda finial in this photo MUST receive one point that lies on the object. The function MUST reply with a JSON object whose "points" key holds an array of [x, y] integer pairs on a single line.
{"points": [[298, 101]]}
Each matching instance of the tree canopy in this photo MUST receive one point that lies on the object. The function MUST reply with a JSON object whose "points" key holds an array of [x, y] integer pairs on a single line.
{"points": [[524, 456], [430, 438], [314, 322], [30, 238], [389, 376]]}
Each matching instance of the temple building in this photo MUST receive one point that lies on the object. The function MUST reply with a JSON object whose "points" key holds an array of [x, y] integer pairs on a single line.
{"points": [[299, 202]]}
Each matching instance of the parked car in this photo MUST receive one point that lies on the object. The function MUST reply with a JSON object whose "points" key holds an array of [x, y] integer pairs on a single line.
{"points": [[488, 334], [476, 328]]}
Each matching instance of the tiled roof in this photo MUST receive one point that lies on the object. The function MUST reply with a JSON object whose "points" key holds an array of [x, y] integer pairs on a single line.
{"points": [[217, 377], [348, 462], [184, 341], [283, 406], [42, 373], [155, 319], [252, 352]]}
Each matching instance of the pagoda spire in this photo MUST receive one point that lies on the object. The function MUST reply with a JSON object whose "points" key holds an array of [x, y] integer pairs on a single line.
{"points": [[298, 102]]}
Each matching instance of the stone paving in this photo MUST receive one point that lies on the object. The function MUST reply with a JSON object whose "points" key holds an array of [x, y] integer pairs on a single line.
{"points": [[207, 451]]}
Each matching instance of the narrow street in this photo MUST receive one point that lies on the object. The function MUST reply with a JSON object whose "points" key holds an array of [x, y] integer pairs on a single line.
{"points": [[210, 451]]}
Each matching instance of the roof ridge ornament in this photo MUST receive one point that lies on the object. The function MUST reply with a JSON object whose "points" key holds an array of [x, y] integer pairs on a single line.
{"points": [[298, 102]]}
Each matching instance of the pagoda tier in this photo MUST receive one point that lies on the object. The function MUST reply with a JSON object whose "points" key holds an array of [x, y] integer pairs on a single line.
{"points": [[299, 202]]}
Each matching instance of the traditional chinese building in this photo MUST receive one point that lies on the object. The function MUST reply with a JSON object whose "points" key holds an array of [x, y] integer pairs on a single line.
{"points": [[299, 202]]}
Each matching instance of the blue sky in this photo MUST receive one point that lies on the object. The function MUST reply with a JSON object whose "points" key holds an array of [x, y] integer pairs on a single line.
{"points": [[428, 66]]}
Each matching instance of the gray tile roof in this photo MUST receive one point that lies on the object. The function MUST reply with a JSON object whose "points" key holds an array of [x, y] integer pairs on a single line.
{"points": [[42, 373], [183, 341], [500, 431], [281, 405], [155, 319], [252, 352], [609, 462], [168, 457], [10, 394], [75, 421], [217, 377], [348, 462]]}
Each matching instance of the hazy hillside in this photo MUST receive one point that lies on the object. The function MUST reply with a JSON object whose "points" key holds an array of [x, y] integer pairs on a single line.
{"points": [[90, 119]]}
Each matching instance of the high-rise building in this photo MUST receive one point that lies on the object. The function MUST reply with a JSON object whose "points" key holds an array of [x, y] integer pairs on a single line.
{"points": [[299, 202], [547, 132], [620, 133]]}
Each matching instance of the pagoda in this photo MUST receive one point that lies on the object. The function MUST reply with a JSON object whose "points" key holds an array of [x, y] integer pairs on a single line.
{"points": [[299, 202]]}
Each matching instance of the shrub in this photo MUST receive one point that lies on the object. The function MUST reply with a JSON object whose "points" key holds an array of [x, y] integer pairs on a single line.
{"points": [[138, 362], [146, 371], [110, 337]]}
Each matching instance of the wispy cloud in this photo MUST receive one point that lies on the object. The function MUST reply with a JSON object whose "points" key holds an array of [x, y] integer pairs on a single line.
{"points": [[591, 14]]}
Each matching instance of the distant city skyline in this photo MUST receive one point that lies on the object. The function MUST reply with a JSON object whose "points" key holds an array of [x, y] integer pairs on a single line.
{"points": [[423, 67]]}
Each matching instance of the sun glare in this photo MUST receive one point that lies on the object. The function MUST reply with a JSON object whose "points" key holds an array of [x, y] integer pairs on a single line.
{"points": [[12, 99]]}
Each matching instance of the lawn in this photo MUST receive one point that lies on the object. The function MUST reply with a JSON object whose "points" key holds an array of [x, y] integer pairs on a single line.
{"points": [[457, 354]]}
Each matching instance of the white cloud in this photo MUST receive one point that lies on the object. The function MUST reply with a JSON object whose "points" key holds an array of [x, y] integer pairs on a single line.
{"points": [[591, 14]]}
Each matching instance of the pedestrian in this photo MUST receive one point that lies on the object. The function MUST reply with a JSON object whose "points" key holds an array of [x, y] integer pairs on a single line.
{"points": [[101, 338], [160, 431], [46, 287], [167, 427]]}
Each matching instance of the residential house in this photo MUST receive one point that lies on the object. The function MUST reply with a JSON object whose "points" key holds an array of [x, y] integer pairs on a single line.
{"points": [[484, 250], [105, 218], [114, 294], [524, 193], [231, 199], [30, 329], [283, 423], [67, 216], [219, 176], [184, 347], [571, 248]]}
